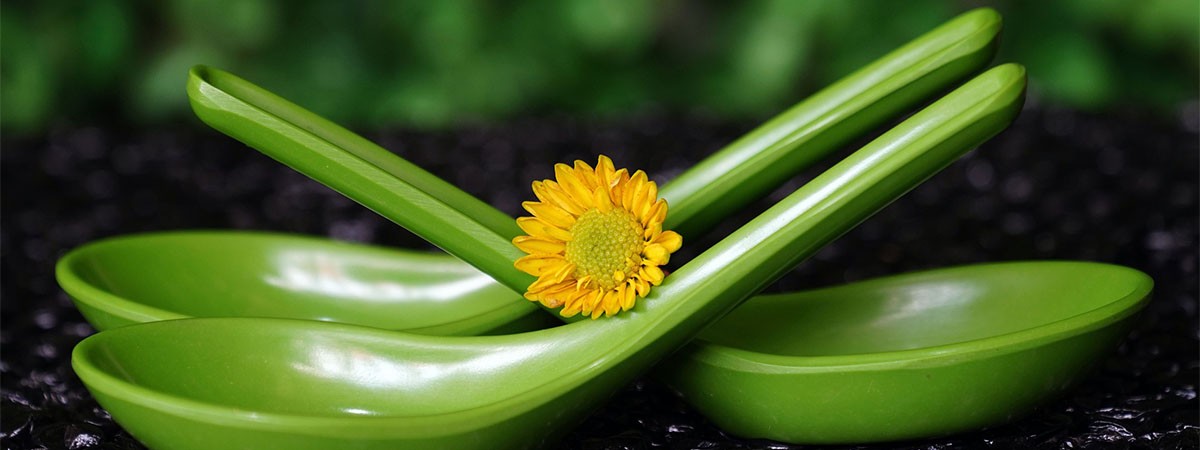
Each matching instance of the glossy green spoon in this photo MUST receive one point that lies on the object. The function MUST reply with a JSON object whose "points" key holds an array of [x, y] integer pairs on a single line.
{"points": [[237, 382], [911, 356], [250, 274], [1003, 336]]}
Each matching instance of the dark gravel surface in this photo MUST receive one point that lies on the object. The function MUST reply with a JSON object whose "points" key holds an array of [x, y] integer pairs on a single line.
{"points": [[1058, 184]]}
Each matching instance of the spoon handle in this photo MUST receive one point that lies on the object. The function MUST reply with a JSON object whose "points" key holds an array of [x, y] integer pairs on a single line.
{"points": [[454, 220], [758, 253], [764, 158]]}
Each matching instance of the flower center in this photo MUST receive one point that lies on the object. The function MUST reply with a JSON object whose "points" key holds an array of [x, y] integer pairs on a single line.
{"points": [[604, 244]]}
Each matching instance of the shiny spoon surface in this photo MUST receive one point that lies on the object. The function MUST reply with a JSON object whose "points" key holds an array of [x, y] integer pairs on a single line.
{"points": [[306, 384], [910, 356], [253, 274]]}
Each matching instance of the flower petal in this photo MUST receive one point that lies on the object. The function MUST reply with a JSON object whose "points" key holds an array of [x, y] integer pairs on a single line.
{"points": [[586, 174], [551, 214], [538, 228], [550, 192], [628, 297], [656, 213], [652, 274], [536, 265], [642, 287], [612, 303], [657, 254], [571, 309], [619, 182], [536, 246], [561, 274], [637, 183], [589, 301], [669, 240], [601, 199], [572, 185], [546, 285], [605, 173]]}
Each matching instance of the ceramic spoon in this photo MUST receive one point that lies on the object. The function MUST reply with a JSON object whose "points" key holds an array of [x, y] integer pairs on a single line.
{"points": [[196, 383]]}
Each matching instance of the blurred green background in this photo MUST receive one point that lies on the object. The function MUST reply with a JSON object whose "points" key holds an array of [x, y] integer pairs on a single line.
{"points": [[431, 64]]}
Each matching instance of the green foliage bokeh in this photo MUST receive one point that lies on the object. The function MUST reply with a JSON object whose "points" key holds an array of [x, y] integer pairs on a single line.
{"points": [[432, 64]]}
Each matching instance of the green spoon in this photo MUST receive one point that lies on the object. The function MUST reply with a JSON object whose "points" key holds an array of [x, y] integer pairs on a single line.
{"points": [[1007, 336], [247, 274], [196, 383], [910, 356]]}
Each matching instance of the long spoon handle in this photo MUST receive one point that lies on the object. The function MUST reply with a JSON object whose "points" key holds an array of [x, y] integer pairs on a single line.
{"points": [[755, 255], [764, 158], [442, 214]]}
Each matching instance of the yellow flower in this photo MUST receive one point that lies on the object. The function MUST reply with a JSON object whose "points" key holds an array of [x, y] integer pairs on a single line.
{"points": [[595, 240]]}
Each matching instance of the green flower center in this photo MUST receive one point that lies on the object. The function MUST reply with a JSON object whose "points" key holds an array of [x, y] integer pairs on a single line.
{"points": [[603, 244]]}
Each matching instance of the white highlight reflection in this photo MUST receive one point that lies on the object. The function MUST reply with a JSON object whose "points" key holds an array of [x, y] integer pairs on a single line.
{"points": [[923, 300], [321, 273], [370, 370]]}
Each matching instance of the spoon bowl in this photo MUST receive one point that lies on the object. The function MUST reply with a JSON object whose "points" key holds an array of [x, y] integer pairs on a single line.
{"points": [[278, 383], [926, 354], [251, 274]]}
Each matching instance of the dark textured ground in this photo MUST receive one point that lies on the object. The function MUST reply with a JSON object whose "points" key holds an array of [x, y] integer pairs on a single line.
{"points": [[1056, 185]]}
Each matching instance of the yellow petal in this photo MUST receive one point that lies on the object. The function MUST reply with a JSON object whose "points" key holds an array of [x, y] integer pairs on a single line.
{"points": [[572, 185], [659, 213], [535, 245], [628, 297], [637, 184], [536, 265], [589, 303], [538, 228], [612, 303], [553, 215], [618, 183], [601, 199], [652, 274], [642, 288], [582, 282], [670, 240], [656, 213], [546, 285], [586, 174], [571, 309], [562, 272], [539, 190], [657, 254], [651, 231], [605, 172], [550, 192], [647, 200]]}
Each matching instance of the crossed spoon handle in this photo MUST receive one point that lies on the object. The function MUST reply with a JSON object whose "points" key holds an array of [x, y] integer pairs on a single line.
{"points": [[480, 234]]}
